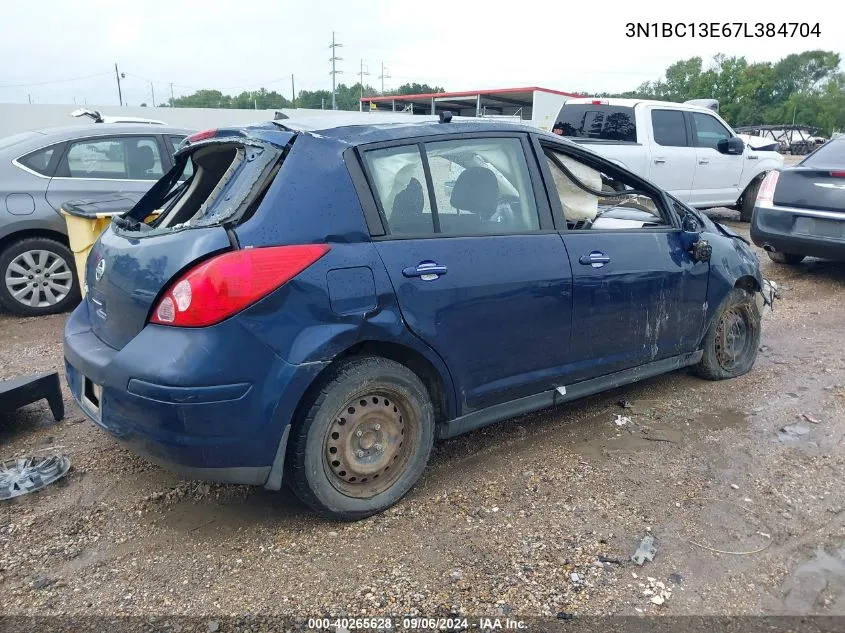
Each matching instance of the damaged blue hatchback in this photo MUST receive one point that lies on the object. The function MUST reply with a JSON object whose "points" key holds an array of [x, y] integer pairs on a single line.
{"points": [[316, 306]]}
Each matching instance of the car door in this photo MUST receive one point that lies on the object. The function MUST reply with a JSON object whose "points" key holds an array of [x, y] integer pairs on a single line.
{"points": [[638, 296], [480, 274], [106, 164], [673, 157], [717, 175]]}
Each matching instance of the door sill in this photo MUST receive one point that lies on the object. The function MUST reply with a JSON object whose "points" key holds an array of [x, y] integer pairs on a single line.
{"points": [[545, 399]]}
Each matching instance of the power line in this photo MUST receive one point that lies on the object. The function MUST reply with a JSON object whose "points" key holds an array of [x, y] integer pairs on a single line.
{"points": [[55, 81]]}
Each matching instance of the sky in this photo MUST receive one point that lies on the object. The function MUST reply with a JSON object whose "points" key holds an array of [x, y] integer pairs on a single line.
{"points": [[54, 51]]}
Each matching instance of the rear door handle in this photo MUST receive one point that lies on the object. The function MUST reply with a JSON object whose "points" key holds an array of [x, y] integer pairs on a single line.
{"points": [[596, 259], [659, 161], [752, 157], [704, 161], [426, 271]]}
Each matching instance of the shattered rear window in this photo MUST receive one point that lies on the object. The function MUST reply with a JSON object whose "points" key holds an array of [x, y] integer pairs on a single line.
{"points": [[226, 177]]}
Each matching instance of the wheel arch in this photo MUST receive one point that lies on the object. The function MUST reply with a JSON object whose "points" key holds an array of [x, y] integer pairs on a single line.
{"points": [[436, 382], [49, 234]]}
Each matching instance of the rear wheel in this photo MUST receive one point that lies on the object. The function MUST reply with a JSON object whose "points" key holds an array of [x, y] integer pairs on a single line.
{"points": [[39, 277], [792, 259], [364, 440], [749, 197], [731, 343]]}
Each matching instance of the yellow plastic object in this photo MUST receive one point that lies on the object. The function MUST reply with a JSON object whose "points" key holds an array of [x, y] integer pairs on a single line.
{"points": [[82, 233]]}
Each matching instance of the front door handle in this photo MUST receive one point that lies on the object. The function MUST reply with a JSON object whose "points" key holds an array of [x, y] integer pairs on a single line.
{"points": [[596, 259], [426, 271], [659, 161], [704, 161]]}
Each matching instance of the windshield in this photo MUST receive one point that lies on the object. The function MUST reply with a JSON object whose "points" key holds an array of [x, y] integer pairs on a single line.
{"points": [[831, 154]]}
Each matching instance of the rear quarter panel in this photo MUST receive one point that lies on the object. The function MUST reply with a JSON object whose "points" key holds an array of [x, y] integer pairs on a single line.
{"points": [[346, 297]]}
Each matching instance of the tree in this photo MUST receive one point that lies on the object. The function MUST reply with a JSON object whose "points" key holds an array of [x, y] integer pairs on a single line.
{"points": [[806, 86], [416, 89]]}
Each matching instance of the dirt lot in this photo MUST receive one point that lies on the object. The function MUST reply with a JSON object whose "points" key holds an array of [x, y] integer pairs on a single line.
{"points": [[538, 515]]}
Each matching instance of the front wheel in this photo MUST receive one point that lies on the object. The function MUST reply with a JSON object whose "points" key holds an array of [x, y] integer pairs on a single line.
{"points": [[733, 338], [749, 198], [39, 277], [364, 440]]}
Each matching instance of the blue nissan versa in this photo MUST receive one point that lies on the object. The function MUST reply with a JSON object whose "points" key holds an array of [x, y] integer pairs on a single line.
{"points": [[317, 306]]}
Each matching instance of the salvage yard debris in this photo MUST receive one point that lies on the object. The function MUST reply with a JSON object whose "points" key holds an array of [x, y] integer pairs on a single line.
{"points": [[645, 551], [810, 418], [23, 475]]}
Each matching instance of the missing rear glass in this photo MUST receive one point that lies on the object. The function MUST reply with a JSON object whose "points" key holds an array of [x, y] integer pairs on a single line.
{"points": [[213, 183]]}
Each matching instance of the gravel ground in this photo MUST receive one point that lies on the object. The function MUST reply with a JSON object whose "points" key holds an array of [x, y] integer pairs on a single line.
{"points": [[537, 515]]}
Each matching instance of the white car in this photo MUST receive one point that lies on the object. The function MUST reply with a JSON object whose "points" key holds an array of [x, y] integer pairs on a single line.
{"points": [[99, 118], [686, 149]]}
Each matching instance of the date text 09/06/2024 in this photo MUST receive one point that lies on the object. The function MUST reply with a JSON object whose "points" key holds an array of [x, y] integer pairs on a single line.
{"points": [[421, 623], [722, 29]]}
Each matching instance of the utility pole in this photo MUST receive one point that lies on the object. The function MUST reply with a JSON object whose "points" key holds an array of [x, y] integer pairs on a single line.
{"points": [[153, 90], [292, 92], [363, 72], [334, 72], [171, 93], [119, 92], [29, 96], [383, 76]]}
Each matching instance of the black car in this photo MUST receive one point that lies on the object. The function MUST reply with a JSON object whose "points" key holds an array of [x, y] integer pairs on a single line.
{"points": [[800, 211]]}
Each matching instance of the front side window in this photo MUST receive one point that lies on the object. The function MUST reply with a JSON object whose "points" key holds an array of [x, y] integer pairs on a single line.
{"points": [[708, 130], [595, 200], [481, 187], [120, 158]]}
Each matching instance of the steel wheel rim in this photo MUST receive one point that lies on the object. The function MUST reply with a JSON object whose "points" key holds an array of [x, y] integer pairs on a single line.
{"points": [[369, 444], [38, 278], [733, 338]]}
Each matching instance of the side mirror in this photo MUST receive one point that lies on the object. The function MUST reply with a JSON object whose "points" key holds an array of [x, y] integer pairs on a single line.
{"points": [[691, 239], [732, 146]]}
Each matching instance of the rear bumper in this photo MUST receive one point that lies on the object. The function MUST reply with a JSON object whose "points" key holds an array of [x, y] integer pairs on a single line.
{"points": [[799, 231], [208, 403]]}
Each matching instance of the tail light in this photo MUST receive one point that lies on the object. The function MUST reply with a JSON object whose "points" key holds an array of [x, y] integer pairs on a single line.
{"points": [[228, 283], [837, 174], [766, 193], [201, 136]]}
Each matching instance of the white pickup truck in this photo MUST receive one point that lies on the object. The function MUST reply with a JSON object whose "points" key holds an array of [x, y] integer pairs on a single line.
{"points": [[687, 150]]}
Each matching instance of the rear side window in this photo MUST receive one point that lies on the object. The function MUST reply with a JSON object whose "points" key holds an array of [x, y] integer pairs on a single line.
{"points": [[670, 129], [831, 154], [481, 187], [605, 122], [399, 180], [119, 158], [39, 161]]}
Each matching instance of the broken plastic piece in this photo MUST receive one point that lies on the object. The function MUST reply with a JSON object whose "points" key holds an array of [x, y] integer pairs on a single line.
{"points": [[645, 551], [27, 474]]}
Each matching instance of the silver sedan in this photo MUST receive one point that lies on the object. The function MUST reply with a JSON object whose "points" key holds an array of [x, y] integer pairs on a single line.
{"points": [[41, 170]]}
